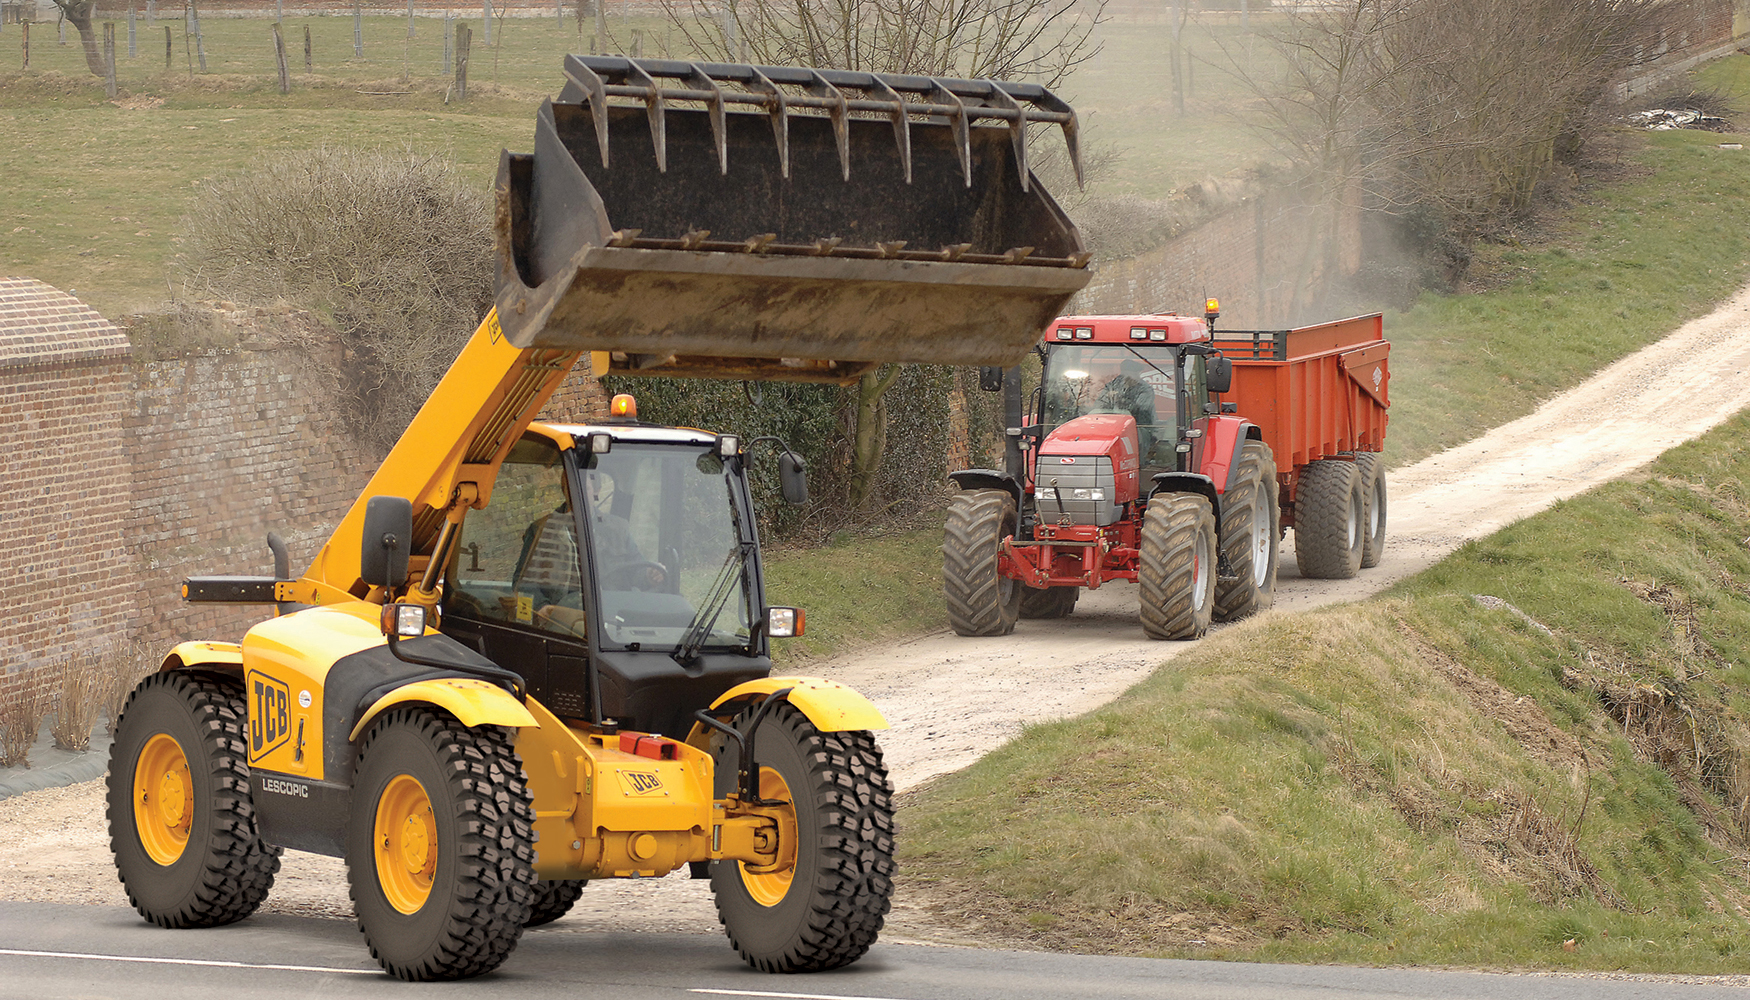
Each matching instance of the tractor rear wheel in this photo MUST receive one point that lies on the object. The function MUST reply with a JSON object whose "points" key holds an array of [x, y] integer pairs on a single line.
{"points": [[553, 899], [1177, 568], [1328, 508], [1052, 602], [825, 908], [981, 601], [181, 816], [440, 851], [1250, 515], [1373, 520]]}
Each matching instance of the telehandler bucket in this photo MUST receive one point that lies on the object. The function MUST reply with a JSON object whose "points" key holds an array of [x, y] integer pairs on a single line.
{"points": [[765, 222]]}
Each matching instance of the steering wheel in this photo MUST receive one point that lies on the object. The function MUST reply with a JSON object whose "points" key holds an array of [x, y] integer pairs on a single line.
{"points": [[654, 574]]}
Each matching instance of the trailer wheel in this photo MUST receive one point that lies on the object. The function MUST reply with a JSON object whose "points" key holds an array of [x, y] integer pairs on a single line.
{"points": [[825, 910], [1052, 602], [181, 816], [981, 601], [1329, 507], [553, 899], [1250, 513], [1177, 570], [440, 850], [1373, 521]]}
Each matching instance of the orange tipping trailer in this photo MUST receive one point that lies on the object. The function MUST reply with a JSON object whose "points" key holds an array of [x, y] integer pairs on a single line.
{"points": [[1315, 392]]}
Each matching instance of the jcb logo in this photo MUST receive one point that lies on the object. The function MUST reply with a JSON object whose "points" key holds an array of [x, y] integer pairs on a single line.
{"points": [[641, 782], [269, 714]]}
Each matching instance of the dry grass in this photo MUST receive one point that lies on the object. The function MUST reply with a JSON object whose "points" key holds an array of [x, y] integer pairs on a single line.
{"points": [[121, 672], [77, 701], [24, 702]]}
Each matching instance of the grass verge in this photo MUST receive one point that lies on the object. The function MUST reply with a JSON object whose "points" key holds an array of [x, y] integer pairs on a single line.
{"points": [[1553, 776]]}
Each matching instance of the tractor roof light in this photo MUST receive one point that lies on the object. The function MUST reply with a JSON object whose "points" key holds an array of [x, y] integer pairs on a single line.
{"points": [[728, 445], [1065, 333], [624, 406], [1211, 308], [1157, 335], [1084, 333], [1138, 333]]}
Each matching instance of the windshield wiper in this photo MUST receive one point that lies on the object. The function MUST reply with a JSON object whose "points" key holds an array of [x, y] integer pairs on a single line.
{"points": [[705, 619]]}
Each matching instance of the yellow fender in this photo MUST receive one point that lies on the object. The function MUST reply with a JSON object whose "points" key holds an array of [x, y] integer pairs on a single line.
{"points": [[221, 655], [472, 702], [831, 706]]}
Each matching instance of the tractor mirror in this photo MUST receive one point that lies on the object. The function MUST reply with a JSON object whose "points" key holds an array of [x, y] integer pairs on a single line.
{"points": [[990, 378], [1219, 374], [387, 538], [793, 477]]}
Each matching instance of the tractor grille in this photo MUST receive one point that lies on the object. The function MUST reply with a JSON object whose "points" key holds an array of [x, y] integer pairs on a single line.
{"points": [[1076, 488]]}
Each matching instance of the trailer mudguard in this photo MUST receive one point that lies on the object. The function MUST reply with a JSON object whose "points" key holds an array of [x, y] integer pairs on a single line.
{"points": [[831, 706], [472, 702]]}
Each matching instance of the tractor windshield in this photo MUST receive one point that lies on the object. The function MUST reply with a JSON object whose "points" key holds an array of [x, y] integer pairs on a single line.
{"points": [[666, 552], [1112, 378]]}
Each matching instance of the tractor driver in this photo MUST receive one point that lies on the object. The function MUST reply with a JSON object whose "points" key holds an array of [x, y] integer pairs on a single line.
{"points": [[620, 563], [1126, 392]]}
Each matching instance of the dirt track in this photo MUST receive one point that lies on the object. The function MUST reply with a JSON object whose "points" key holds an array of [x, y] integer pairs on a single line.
{"points": [[950, 699]]}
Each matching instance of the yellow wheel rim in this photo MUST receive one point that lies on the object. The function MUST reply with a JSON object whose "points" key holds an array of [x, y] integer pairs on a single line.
{"points": [[163, 799], [405, 842], [768, 888]]}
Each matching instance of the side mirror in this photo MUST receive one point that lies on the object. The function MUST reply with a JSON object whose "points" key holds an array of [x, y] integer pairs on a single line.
{"points": [[990, 378], [388, 536], [793, 478], [1218, 374]]}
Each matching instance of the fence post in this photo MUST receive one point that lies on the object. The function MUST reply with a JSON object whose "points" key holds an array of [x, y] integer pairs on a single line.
{"points": [[167, 48], [409, 18], [109, 59], [200, 42], [279, 11], [464, 40], [449, 40], [601, 25], [358, 29], [559, 14], [150, 17], [26, 26], [486, 19], [307, 49], [133, 44], [279, 55]]}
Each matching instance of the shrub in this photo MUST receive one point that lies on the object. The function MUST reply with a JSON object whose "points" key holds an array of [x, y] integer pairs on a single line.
{"points": [[24, 701], [81, 693]]}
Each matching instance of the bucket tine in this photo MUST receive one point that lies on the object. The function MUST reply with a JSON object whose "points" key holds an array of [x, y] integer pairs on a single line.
{"points": [[597, 92], [656, 108], [901, 123], [1017, 127], [699, 80], [962, 125], [1071, 130], [840, 113], [780, 116]]}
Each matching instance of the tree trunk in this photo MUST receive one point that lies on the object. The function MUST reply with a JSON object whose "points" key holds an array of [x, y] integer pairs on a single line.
{"points": [[80, 12], [869, 432]]}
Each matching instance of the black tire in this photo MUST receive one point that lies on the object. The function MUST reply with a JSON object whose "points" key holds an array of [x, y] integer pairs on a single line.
{"points": [[1177, 569], [1250, 529], [836, 900], [1328, 508], [1373, 517], [981, 601], [201, 863], [476, 843], [1052, 602], [553, 899]]}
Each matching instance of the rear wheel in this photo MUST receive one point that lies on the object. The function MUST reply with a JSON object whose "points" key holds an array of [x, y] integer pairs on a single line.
{"points": [[1052, 602], [981, 601], [440, 851], [181, 817], [553, 899], [828, 898], [1373, 519], [1328, 508], [1177, 569], [1250, 516]]}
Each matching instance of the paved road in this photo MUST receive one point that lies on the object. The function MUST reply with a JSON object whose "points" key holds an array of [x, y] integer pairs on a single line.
{"points": [[50, 951]]}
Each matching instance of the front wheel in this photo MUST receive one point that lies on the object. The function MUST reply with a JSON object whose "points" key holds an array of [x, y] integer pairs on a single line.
{"points": [[981, 601], [181, 817], [828, 897], [1177, 568], [440, 851], [1250, 515]]}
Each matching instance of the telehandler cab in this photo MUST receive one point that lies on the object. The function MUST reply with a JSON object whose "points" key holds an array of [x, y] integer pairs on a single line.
{"points": [[536, 654]]}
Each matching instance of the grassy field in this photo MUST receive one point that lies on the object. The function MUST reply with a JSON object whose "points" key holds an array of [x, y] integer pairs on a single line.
{"points": [[1422, 779], [857, 591]]}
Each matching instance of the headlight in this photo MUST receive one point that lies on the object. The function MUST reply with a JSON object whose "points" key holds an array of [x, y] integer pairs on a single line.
{"points": [[1045, 493], [1088, 494]]}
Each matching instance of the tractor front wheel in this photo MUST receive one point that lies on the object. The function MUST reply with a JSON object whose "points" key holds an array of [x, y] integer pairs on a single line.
{"points": [[1329, 506], [824, 902], [181, 817], [1052, 602], [1177, 568], [981, 601], [1250, 516], [440, 851]]}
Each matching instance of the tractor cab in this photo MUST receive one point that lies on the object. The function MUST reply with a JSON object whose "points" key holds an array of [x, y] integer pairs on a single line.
{"points": [[617, 569]]}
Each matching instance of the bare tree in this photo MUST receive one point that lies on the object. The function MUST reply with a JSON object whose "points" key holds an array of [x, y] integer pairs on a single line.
{"points": [[81, 13]]}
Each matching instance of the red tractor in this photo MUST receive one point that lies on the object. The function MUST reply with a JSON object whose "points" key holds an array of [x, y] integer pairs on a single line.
{"points": [[1152, 456]]}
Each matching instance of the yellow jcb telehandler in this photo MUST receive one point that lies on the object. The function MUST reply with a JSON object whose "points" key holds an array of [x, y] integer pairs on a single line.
{"points": [[532, 654]]}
